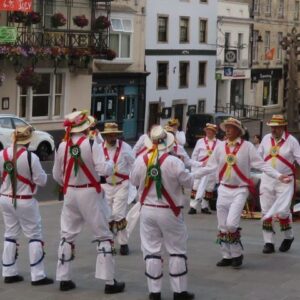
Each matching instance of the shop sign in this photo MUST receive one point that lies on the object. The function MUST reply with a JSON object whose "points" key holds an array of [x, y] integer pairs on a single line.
{"points": [[265, 74], [218, 76], [238, 73], [228, 71], [8, 34], [16, 5]]}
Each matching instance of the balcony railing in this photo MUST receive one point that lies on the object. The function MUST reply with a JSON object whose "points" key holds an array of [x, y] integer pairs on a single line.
{"points": [[243, 111]]}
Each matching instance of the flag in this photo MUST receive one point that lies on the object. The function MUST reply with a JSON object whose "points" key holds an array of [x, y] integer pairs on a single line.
{"points": [[16, 5], [269, 55]]}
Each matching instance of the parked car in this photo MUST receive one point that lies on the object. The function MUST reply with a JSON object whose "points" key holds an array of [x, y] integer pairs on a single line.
{"points": [[196, 124], [42, 142]]}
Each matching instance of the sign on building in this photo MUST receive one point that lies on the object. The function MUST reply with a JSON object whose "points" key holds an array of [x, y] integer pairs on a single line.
{"points": [[16, 5], [230, 56], [228, 71], [7, 35]]}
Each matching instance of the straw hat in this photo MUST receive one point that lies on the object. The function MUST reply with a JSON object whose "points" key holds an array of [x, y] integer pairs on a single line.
{"points": [[173, 122], [233, 122], [170, 129], [277, 120], [110, 128], [160, 137], [78, 121], [211, 127], [22, 135]]}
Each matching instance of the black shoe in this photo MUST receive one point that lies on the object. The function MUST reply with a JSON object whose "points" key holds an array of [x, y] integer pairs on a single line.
{"points": [[117, 287], [43, 281], [154, 296], [183, 296], [237, 262], [192, 211], [224, 262], [286, 245], [268, 248], [205, 211], [13, 279], [124, 250], [67, 285]]}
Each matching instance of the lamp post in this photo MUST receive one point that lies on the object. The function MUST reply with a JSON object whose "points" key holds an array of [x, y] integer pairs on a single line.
{"points": [[291, 43]]}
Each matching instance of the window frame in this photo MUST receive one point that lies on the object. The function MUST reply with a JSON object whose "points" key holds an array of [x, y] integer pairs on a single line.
{"points": [[205, 32], [186, 85], [181, 18], [167, 75], [202, 101], [167, 29], [205, 73]]}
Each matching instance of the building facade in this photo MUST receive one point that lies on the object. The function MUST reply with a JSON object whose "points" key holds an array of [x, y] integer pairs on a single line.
{"points": [[118, 88], [233, 71], [180, 57]]}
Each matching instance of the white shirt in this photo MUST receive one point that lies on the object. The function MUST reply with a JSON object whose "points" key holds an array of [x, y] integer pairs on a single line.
{"points": [[174, 177], [247, 158], [200, 151], [93, 157], [180, 137], [290, 150], [125, 160], [39, 177], [139, 145], [189, 163]]}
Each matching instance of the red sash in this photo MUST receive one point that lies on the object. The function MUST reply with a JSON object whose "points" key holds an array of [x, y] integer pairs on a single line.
{"points": [[250, 184], [208, 149], [84, 168], [141, 151], [174, 208], [19, 177], [278, 156], [115, 159]]}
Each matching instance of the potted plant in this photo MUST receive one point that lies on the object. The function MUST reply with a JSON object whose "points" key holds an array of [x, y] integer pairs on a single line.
{"points": [[81, 21], [58, 20], [16, 17], [28, 78], [102, 22], [110, 54], [32, 18]]}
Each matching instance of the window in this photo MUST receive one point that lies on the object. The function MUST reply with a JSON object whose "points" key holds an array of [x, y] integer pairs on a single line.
{"points": [[227, 40], [256, 7], [270, 92], [268, 7], [183, 74], [19, 122], [6, 123], [44, 102], [240, 46], [184, 30], [120, 37], [281, 9], [296, 12], [202, 73], [201, 106], [162, 75], [267, 41], [162, 33], [279, 48], [255, 46], [203, 31]]}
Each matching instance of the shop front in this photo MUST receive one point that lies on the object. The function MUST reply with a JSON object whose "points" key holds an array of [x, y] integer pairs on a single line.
{"points": [[120, 98]]}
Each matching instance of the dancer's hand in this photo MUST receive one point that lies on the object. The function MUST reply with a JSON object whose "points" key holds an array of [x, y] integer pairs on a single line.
{"points": [[285, 178]]}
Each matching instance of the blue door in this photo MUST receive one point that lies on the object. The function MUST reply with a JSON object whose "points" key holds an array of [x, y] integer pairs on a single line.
{"points": [[130, 112]]}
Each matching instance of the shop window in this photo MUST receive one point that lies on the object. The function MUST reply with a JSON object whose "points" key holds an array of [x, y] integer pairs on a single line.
{"points": [[120, 37], [270, 92], [162, 75], [44, 102]]}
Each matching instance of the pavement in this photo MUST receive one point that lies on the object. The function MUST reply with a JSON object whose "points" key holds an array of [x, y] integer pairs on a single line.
{"points": [[263, 277]]}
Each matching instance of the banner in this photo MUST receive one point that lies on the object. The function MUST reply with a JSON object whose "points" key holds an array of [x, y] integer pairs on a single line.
{"points": [[269, 55], [8, 35], [16, 5]]}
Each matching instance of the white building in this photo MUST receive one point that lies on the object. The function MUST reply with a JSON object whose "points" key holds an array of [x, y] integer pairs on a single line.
{"points": [[180, 56], [233, 71]]}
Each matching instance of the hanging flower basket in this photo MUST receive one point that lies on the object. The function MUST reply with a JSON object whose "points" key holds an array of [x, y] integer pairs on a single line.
{"points": [[110, 54], [102, 22], [32, 18], [81, 21], [28, 78], [58, 20], [17, 17]]}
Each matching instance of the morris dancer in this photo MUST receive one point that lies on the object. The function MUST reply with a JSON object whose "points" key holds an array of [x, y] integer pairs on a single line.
{"points": [[21, 173], [232, 159], [179, 135], [279, 149], [202, 152], [117, 185], [77, 168], [160, 178]]}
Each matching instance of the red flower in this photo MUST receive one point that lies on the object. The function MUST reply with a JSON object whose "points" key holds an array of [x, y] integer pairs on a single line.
{"points": [[81, 21]]}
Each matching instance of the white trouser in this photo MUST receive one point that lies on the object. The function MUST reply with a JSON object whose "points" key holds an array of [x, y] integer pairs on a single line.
{"points": [[230, 204], [26, 217], [117, 197], [85, 205], [158, 226], [275, 200], [209, 187]]}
